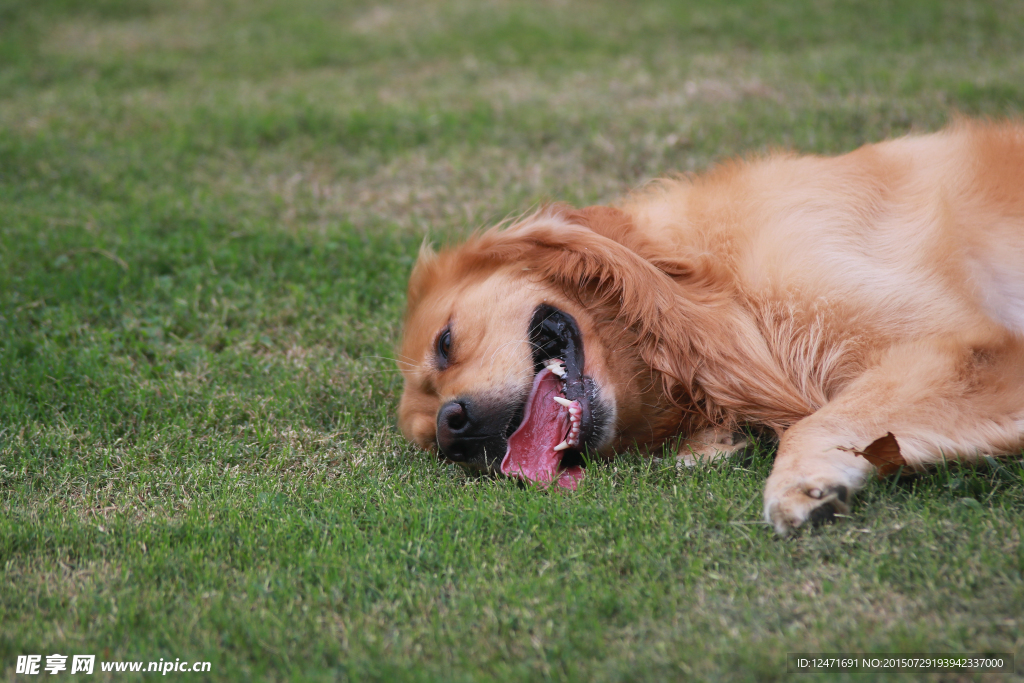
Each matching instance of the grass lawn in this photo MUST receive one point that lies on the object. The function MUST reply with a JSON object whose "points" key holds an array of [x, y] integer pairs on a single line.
{"points": [[208, 209]]}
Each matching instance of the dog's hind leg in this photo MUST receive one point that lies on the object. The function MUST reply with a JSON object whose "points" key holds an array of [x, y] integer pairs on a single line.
{"points": [[941, 399]]}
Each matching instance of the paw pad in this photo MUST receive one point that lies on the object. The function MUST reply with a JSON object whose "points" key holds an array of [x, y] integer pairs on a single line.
{"points": [[834, 503]]}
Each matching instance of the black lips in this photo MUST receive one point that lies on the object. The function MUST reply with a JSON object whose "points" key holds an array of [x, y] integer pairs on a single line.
{"points": [[555, 334]]}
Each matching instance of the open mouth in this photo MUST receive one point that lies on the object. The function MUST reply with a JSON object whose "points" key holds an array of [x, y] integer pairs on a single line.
{"points": [[558, 416]]}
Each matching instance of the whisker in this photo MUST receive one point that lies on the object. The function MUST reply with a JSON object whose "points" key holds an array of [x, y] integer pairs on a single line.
{"points": [[379, 370], [393, 360]]}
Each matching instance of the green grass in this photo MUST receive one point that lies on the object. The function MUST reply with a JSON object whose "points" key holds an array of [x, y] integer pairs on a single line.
{"points": [[207, 213]]}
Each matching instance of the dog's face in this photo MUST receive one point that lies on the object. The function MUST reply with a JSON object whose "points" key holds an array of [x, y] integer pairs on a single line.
{"points": [[476, 359], [505, 371]]}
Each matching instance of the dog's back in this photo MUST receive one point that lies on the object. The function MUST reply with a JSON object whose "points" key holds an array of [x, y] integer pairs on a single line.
{"points": [[923, 234]]}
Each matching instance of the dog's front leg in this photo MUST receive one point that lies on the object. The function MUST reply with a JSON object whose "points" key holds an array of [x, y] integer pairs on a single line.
{"points": [[816, 474], [940, 399]]}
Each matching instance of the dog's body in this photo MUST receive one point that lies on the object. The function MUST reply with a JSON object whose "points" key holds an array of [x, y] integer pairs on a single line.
{"points": [[833, 299]]}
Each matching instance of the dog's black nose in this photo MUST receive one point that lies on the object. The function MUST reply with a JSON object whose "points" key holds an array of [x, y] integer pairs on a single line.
{"points": [[453, 425], [471, 430]]}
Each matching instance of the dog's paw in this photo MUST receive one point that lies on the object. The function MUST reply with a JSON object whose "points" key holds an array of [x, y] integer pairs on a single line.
{"points": [[712, 444], [806, 502]]}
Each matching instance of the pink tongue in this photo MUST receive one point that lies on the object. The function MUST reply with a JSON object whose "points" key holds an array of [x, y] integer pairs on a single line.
{"points": [[531, 449]]}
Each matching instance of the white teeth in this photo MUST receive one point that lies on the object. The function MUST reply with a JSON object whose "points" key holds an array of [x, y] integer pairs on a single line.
{"points": [[555, 366], [572, 439]]}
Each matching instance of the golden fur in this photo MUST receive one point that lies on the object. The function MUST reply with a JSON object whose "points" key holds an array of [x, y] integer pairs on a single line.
{"points": [[832, 299]]}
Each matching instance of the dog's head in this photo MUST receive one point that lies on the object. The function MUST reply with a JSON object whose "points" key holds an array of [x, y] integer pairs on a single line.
{"points": [[526, 347]]}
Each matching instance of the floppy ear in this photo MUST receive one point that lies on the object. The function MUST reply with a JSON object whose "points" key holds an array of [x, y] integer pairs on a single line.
{"points": [[579, 252], [595, 252], [699, 271], [598, 253], [608, 221], [683, 310], [586, 254]]}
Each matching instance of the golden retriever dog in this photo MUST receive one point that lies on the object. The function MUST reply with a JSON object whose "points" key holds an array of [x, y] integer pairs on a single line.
{"points": [[868, 308]]}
